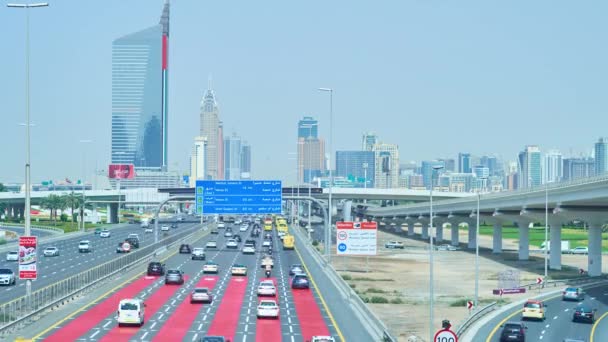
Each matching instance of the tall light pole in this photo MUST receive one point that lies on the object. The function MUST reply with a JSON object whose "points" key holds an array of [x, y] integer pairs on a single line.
{"points": [[28, 219], [365, 166], [331, 177], [431, 276], [84, 171], [546, 228], [483, 180]]}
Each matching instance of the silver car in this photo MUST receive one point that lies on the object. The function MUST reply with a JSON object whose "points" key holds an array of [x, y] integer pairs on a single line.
{"points": [[174, 277], [7, 277], [51, 251], [201, 295], [573, 293]]}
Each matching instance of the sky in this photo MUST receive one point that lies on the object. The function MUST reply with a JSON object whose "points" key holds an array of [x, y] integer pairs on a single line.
{"points": [[434, 77]]}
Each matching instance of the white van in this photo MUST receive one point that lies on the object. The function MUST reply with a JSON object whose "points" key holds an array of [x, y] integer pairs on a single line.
{"points": [[131, 311]]}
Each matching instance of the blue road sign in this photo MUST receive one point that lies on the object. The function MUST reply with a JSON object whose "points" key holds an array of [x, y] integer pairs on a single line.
{"points": [[342, 247], [239, 197]]}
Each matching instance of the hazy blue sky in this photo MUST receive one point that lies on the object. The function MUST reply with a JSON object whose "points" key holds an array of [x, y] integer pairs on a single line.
{"points": [[435, 77]]}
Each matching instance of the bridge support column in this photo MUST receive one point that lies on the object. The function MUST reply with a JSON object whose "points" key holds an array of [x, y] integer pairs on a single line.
{"points": [[555, 252], [112, 213], [454, 231], [497, 239], [594, 262], [524, 240], [439, 232], [347, 210], [472, 236], [425, 231], [410, 229], [21, 210]]}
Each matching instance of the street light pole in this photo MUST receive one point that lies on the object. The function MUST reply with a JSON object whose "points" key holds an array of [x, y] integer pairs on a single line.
{"points": [[431, 275], [84, 141], [483, 179], [546, 227], [331, 178], [28, 219]]}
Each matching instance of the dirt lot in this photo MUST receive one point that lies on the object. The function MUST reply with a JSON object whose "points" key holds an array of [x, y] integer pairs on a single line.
{"points": [[401, 277]]}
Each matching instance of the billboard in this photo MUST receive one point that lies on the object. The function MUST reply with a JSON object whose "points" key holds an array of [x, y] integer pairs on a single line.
{"points": [[356, 238], [238, 197], [27, 257], [121, 171]]}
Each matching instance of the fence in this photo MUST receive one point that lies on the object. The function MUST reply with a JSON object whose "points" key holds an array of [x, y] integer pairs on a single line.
{"points": [[23, 310], [15, 225]]}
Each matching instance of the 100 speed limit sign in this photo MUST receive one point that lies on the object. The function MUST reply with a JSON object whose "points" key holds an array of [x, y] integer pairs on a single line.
{"points": [[445, 336]]}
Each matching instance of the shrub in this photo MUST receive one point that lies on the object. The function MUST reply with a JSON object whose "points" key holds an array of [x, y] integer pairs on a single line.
{"points": [[346, 277], [63, 218], [379, 300], [315, 243], [397, 301], [459, 302], [375, 290]]}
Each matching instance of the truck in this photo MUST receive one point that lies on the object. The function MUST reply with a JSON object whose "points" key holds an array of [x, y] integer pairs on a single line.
{"points": [[288, 241], [145, 223], [565, 248]]}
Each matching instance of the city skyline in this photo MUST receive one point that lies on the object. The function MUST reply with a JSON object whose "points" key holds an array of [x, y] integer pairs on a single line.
{"points": [[511, 81]]}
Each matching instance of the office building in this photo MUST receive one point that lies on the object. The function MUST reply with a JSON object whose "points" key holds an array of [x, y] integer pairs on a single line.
{"points": [[575, 168], [308, 127], [311, 159], [369, 140], [427, 172], [464, 163], [601, 156], [512, 181], [553, 170], [153, 179], [210, 129], [139, 96], [221, 170], [529, 167], [245, 161], [197, 161], [416, 182], [449, 164], [357, 166], [386, 165], [232, 157]]}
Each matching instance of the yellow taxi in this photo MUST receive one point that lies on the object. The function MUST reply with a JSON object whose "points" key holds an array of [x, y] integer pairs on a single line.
{"points": [[533, 309], [238, 270]]}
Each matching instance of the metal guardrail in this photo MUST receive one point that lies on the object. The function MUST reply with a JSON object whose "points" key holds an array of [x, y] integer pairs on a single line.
{"points": [[22, 311], [16, 225], [474, 317], [366, 316]]}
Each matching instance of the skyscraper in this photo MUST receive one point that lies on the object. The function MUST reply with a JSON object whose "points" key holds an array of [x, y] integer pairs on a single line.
{"points": [[358, 166], [529, 167], [210, 124], [601, 156], [221, 170], [386, 165], [427, 172], [464, 163], [369, 140], [139, 96], [232, 157], [575, 168], [245, 160], [197, 160], [311, 150], [308, 127], [553, 171]]}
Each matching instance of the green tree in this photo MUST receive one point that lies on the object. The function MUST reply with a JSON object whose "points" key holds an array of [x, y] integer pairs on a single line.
{"points": [[72, 201], [54, 203], [3, 188]]}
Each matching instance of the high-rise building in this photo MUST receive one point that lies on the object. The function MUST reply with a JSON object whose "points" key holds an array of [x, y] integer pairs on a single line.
{"points": [[449, 164], [369, 140], [601, 156], [529, 167], [210, 124], [139, 96], [416, 182], [386, 165], [553, 171], [575, 168], [221, 170], [357, 166], [232, 157], [427, 172], [245, 161], [311, 159], [308, 127], [197, 160], [464, 163]]}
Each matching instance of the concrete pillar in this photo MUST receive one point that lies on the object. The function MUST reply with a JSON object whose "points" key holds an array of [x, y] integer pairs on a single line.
{"points": [[21, 210], [594, 262], [555, 246], [472, 236], [439, 232], [347, 210], [410, 229], [497, 239], [455, 237], [109, 214], [425, 231], [524, 240]]}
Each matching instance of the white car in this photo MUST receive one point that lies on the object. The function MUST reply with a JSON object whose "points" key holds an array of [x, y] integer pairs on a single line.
{"points": [[51, 251], [104, 234], [228, 234], [580, 250], [221, 225], [7, 277], [211, 244], [198, 253], [266, 243], [322, 339], [244, 228], [268, 308], [131, 311], [267, 288], [210, 267], [231, 243], [84, 246], [148, 230], [248, 249], [12, 256], [164, 228], [446, 247]]}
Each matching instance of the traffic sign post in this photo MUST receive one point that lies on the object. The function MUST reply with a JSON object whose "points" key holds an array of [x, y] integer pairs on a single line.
{"points": [[445, 335], [356, 238], [469, 306]]}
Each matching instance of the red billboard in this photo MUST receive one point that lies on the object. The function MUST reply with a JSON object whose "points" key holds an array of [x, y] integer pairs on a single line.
{"points": [[121, 171], [27, 257]]}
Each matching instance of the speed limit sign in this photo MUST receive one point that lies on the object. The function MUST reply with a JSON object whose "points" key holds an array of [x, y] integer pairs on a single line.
{"points": [[445, 336]]}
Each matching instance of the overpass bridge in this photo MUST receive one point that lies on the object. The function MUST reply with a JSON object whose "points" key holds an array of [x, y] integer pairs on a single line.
{"points": [[583, 200]]}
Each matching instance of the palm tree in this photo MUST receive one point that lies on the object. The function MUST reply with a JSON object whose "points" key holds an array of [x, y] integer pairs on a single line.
{"points": [[72, 201], [53, 203]]}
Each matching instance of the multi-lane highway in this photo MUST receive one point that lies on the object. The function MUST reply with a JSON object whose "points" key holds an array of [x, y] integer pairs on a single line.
{"points": [[70, 261], [169, 315], [558, 324]]}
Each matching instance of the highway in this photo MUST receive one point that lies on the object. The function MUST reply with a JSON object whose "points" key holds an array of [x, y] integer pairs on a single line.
{"points": [[558, 324], [70, 261], [169, 315], [40, 233]]}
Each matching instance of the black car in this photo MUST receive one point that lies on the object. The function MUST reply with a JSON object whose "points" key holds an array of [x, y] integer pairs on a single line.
{"points": [[134, 242], [583, 313], [174, 277], [122, 248], [185, 249], [214, 339], [252, 242], [300, 281], [513, 332], [214, 231], [156, 268], [237, 237]]}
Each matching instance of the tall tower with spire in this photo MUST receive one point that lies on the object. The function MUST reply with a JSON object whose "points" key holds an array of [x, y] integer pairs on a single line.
{"points": [[210, 129]]}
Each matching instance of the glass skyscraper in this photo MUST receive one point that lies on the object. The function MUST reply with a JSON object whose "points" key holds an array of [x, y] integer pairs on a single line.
{"points": [[139, 96], [308, 127], [352, 165], [601, 156], [530, 167]]}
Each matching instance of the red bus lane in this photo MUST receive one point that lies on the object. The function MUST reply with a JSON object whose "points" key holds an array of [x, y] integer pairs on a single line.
{"points": [[268, 329], [226, 318], [153, 304], [177, 326], [88, 320], [309, 314]]}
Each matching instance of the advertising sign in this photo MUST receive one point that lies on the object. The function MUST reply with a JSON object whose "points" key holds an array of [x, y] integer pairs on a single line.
{"points": [[121, 171], [238, 197], [27, 257], [356, 238]]}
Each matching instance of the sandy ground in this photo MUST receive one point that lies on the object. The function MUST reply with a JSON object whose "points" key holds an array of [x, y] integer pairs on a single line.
{"points": [[404, 275]]}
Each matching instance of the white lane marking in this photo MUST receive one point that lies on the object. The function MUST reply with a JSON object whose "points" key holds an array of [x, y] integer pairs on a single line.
{"points": [[107, 323], [200, 326], [542, 332], [160, 317], [555, 317], [144, 335], [153, 325], [547, 326], [566, 310], [94, 334], [194, 338]]}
